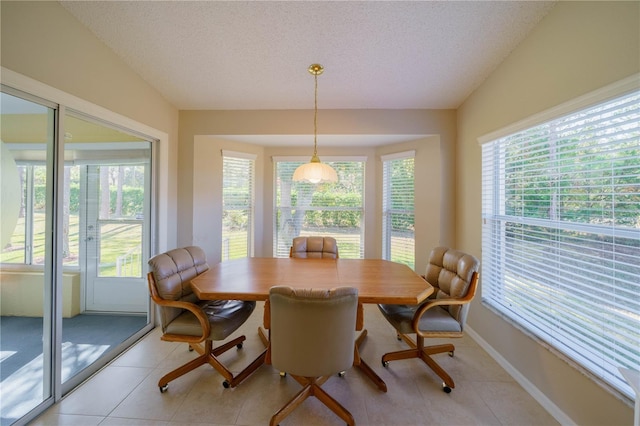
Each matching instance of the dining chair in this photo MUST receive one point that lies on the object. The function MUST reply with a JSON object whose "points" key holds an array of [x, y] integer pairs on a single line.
{"points": [[314, 248], [185, 318], [454, 276], [312, 334]]}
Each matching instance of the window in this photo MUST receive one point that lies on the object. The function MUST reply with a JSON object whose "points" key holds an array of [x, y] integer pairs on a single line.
{"points": [[27, 243], [237, 204], [561, 234], [398, 230], [335, 210]]}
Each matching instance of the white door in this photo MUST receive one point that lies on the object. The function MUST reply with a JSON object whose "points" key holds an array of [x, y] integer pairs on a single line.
{"points": [[116, 238]]}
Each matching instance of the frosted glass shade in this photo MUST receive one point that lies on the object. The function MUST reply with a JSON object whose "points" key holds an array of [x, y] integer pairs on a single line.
{"points": [[315, 172]]}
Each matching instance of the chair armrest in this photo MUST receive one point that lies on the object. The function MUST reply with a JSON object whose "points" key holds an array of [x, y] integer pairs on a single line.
{"points": [[445, 302], [194, 309]]}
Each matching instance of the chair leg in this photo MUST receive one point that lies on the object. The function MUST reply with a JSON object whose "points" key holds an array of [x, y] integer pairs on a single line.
{"points": [[232, 381], [291, 405], [423, 352], [333, 405], [208, 355], [182, 370], [311, 387]]}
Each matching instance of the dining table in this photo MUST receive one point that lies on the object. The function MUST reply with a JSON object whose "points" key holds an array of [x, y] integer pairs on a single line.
{"points": [[377, 281]]}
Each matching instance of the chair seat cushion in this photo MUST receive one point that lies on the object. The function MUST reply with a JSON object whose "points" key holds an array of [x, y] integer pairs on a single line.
{"points": [[435, 319], [225, 316]]}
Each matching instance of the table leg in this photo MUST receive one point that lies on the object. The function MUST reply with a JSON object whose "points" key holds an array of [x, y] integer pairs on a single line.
{"points": [[263, 336], [364, 367]]}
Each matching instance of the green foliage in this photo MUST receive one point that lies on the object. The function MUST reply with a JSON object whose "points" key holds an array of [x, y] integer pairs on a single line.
{"points": [[132, 199]]}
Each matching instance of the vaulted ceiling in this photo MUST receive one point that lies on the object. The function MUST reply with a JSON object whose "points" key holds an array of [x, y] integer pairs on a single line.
{"points": [[254, 54]]}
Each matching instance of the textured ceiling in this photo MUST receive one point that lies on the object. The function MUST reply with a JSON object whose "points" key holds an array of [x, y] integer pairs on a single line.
{"points": [[254, 55]]}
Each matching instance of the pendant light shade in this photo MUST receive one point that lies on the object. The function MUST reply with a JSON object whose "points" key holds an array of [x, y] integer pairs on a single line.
{"points": [[315, 171]]}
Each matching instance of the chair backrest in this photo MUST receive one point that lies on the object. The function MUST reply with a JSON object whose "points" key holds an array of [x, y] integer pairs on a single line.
{"points": [[312, 331], [314, 248], [172, 272], [451, 273]]}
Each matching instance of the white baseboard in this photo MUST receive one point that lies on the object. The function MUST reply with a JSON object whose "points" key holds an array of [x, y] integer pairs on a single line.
{"points": [[542, 399]]}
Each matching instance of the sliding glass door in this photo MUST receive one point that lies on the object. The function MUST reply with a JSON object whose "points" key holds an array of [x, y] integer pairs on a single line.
{"points": [[76, 233], [106, 238], [27, 256]]}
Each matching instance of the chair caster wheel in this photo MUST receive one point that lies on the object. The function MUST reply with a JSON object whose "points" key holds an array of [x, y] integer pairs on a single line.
{"points": [[239, 346], [226, 384], [398, 337], [385, 363], [163, 388], [190, 348], [283, 374], [451, 354], [342, 373], [446, 389]]}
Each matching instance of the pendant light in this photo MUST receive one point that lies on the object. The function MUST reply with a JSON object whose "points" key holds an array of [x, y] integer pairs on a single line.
{"points": [[315, 171]]}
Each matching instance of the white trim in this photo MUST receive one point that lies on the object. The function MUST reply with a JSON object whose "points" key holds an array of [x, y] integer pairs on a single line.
{"points": [[325, 158], [612, 90], [34, 87], [236, 154], [398, 155], [536, 393], [28, 85]]}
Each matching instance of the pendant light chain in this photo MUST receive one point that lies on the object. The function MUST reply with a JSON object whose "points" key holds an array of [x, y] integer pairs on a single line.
{"points": [[315, 171], [315, 118]]}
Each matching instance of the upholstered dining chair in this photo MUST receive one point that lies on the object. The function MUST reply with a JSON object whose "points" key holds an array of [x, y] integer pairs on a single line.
{"points": [[312, 334], [314, 248], [185, 318], [454, 276]]}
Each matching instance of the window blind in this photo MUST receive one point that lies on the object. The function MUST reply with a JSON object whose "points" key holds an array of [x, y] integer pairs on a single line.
{"points": [[237, 205], [561, 234], [398, 220], [334, 210]]}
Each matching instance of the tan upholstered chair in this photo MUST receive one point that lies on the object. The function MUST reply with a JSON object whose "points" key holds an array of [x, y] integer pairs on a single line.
{"points": [[312, 334], [185, 318], [454, 275], [314, 248]]}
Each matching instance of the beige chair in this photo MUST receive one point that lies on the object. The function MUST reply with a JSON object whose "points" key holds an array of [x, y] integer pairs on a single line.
{"points": [[454, 275], [314, 248], [185, 318], [312, 334]]}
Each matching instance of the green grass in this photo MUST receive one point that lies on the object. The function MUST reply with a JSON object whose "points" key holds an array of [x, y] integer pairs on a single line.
{"points": [[116, 240]]}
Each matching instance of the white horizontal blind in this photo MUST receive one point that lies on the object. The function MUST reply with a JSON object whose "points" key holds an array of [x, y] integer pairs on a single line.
{"points": [[398, 219], [237, 205], [561, 234], [332, 210]]}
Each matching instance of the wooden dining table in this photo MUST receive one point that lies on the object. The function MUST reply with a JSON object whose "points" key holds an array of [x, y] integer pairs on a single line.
{"points": [[377, 281]]}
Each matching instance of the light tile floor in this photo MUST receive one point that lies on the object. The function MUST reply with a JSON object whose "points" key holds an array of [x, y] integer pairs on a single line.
{"points": [[126, 392]]}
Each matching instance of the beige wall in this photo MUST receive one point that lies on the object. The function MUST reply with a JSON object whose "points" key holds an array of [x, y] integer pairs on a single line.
{"points": [[22, 294], [577, 48], [201, 140], [42, 41]]}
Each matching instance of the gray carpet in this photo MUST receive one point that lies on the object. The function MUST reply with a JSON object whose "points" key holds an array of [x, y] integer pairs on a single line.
{"points": [[22, 338]]}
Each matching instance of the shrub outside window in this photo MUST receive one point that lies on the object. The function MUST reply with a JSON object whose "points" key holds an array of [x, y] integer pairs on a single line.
{"points": [[332, 210]]}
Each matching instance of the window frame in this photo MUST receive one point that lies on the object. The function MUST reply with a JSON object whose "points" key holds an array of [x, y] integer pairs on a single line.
{"points": [[281, 251], [250, 208], [405, 255], [611, 380]]}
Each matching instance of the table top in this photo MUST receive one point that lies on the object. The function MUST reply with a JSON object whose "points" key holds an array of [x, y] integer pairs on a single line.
{"points": [[377, 280]]}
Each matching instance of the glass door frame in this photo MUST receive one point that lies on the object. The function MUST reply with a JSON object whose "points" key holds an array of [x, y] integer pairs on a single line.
{"points": [[53, 268]]}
